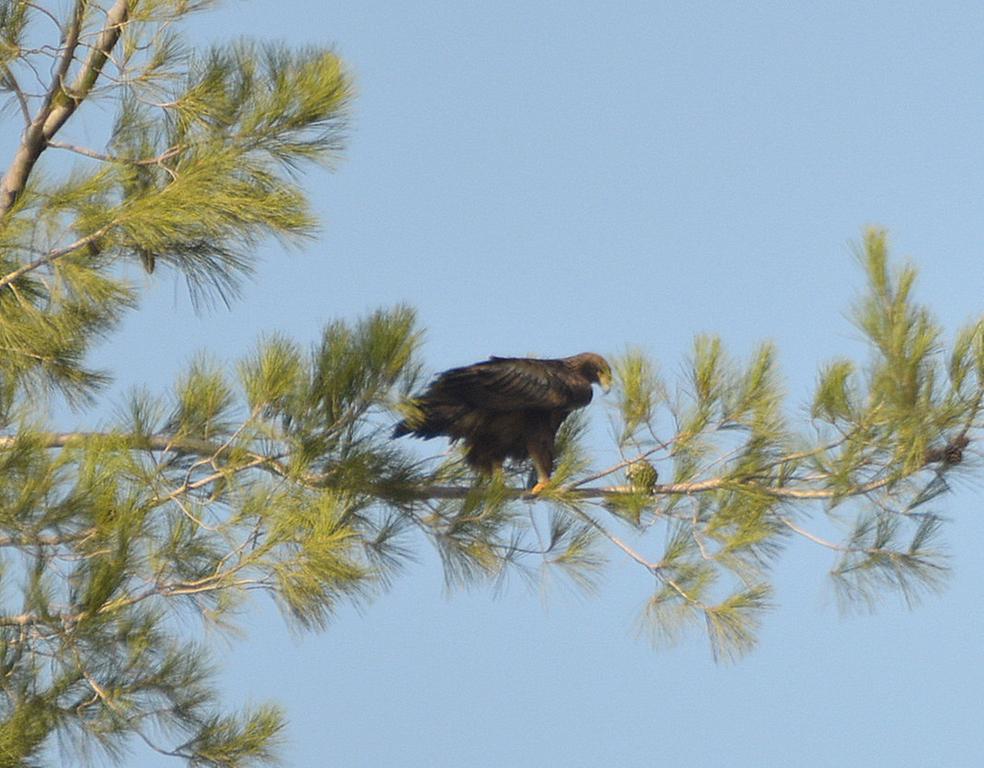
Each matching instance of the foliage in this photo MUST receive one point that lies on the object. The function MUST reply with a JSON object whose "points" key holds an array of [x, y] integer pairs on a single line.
{"points": [[278, 475], [110, 537]]}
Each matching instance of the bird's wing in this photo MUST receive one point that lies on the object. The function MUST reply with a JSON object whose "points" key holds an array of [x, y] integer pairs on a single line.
{"points": [[512, 383]]}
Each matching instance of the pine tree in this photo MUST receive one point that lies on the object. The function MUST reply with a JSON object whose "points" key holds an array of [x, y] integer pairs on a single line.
{"points": [[278, 475]]}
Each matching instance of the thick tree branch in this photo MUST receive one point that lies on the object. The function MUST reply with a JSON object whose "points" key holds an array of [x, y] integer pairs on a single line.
{"points": [[668, 489], [61, 100], [274, 465]]}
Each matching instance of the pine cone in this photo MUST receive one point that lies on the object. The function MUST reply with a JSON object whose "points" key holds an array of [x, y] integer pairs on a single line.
{"points": [[642, 475], [949, 454]]}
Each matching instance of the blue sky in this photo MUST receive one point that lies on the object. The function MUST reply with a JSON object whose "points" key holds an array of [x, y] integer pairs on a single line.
{"points": [[553, 177]]}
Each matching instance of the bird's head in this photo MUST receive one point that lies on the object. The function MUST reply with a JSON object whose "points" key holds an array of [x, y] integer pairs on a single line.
{"points": [[596, 369]]}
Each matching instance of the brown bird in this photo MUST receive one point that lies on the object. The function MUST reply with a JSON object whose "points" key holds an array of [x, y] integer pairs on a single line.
{"points": [[506, 408]]}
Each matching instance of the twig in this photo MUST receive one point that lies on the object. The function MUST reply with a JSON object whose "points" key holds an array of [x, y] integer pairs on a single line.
{"points": [[46, 12], [812, 537], [14, 86], [652, 567]]}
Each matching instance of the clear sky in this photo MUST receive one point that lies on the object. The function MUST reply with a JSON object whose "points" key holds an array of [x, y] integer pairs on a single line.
{"points": [[554, 177]]}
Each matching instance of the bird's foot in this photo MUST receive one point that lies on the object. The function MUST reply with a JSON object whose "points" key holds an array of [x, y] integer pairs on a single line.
{"points": [[536, 489]]}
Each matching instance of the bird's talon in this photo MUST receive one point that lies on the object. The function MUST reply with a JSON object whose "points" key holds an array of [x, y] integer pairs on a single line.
{"points": [[536, 489]]}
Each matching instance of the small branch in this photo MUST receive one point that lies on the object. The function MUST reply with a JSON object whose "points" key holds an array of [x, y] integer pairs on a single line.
{"points": [[651, 567], [21, 620], [120, 712], [661, 575], [65, 621], [53, 255], [32, 540], [81, 150], [255, 463], [86, 152]]}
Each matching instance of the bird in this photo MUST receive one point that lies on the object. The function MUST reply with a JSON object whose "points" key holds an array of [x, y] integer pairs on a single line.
{"points": [[506, 408]]}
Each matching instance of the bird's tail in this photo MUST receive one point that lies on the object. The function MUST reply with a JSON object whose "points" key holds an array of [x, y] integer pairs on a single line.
{"points": [[415, 417], [425, 418]]}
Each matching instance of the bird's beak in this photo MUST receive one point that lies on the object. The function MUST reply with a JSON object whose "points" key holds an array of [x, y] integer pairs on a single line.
{"points": [[605, 380]]}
